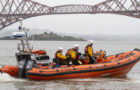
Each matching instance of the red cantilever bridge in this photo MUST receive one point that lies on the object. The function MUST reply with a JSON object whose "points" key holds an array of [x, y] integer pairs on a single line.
{"points": [[12, 10]]}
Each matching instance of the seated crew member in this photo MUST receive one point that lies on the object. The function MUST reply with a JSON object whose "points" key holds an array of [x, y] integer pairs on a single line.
{"points": [[68, 55], [60, 58], [75, 55], [89, 52]]}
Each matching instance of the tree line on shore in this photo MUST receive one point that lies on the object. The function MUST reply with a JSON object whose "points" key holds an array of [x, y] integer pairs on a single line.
{"points": [[48, 36]]}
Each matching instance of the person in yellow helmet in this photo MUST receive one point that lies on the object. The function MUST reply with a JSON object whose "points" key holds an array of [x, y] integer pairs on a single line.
{"points": [[60, 58], [89, 52]]}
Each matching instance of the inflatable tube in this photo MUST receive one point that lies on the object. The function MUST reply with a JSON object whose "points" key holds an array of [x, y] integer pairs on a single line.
{"points": [[11, 70], [116, 65]]}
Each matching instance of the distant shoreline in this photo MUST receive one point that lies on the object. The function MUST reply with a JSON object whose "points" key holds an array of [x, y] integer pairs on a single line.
{"points": [[76, 41], [47, 37], [40, 40]]}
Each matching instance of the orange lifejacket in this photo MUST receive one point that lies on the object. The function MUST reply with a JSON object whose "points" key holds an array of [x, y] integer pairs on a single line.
{"points": [[86, 60], [100, 56]]}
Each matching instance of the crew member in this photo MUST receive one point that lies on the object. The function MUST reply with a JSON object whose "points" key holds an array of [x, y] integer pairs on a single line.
{"points": [[89, 51], [60, 58], [75, 55], [68, 55]]}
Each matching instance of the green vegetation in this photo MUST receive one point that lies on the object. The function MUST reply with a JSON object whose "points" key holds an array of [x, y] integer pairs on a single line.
{"points": [[48, 37], [53, 37]]}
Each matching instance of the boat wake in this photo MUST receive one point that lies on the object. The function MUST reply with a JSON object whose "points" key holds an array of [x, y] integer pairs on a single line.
{"points": [[7, 78], [137, 81]]}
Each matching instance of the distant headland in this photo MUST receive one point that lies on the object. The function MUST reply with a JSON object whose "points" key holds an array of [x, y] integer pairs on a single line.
{"points": [[47, 36]]}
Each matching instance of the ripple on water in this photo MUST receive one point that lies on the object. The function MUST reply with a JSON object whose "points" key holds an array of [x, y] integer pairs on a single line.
{"points": [[7, 78]]}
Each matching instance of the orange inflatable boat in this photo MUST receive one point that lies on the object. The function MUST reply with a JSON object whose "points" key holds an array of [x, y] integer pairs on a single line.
{"points": [[117, 65]]}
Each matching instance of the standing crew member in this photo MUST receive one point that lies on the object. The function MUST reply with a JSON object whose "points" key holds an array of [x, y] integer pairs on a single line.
{"points": [[60, 58], [89, 51]]}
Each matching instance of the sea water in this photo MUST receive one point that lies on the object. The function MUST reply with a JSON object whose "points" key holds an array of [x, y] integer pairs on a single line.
{"points": [[130, 82]]}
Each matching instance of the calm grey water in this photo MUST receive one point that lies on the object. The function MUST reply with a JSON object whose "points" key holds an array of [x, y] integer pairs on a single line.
{"points": [[131, 82]]}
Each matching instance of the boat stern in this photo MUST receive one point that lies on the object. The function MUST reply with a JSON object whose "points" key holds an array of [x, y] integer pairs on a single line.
{"points": [[11, 70]]}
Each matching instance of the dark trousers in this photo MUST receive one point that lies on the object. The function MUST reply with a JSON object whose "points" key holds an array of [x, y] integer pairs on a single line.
{"points": [[59, 62], [92, 61], [68, 61], [75, 62]]}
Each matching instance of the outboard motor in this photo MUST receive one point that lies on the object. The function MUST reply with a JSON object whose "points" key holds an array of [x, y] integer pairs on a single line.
{"points": [[22, 60], [30, 64], [21, 68]]}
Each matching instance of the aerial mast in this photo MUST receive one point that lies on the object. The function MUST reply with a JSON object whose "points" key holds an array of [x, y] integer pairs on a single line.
{"points": [[23, 37]]}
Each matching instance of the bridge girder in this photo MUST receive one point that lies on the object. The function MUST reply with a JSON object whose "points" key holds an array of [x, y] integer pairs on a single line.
{"points": [[12, 10]]}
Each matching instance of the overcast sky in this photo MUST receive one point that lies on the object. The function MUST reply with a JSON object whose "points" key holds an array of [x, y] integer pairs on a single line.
{"points": [[82, 24]]}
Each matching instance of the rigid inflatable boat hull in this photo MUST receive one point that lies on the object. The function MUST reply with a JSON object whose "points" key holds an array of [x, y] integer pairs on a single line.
{"points": [[116, 72], [117, 65], [116, 68]]}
